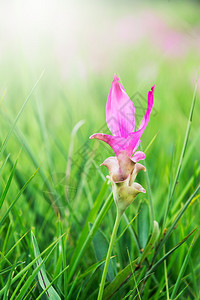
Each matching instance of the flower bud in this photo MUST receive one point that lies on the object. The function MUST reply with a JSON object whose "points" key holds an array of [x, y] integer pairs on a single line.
{"points": [[123, 172]]}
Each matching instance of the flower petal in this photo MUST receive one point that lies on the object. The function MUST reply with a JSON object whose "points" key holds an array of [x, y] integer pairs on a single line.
{"points": [[119, 167], [120, 111], [137, 169], [136, 186], [134, 137], [139, 155], [117, 143], [112, 164], [126, 165], [131, 142], [149, 108]]}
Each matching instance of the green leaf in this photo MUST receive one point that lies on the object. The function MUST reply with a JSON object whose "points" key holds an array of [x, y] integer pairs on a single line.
{"points": [[143, 224], [56, 278], [86, 235], [121, 277], [4, 163], [14, 279], [101, 245], [152, 269], [132, 232], [3, 146], [17, 197], [3, 271], [151, 242], [152, 214], [169, 231], [43, 279], [8, 283], [3, 196], [181, 273], [187, 134]]}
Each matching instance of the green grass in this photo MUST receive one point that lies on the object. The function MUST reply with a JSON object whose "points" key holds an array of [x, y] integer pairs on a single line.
{"points": [[56, 207]]}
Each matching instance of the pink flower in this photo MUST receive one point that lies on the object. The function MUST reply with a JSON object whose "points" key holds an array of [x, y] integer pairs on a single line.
{"points": [[123, 168], [120, 118]]}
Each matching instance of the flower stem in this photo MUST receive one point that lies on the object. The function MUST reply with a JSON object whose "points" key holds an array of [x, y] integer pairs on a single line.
{"points": [[112, 240]]}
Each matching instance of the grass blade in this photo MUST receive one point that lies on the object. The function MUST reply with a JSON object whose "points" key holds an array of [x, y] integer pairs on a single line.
{"points": [[167, 235], [152, 269], [17, 197], [182, 154], [3, 146], [3, 196], [43, 279], [86, 235], [181, 273]]}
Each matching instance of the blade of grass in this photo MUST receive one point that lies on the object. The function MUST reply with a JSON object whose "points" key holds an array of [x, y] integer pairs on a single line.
{"points": [[182, 154], [88, 238], [132, 232], [56, 278], [71, 147], [90, 219], [152, 214], [30, 279], [119, 280], [151, 142], [184, 192], [43, 279], [182, 270], [18, 286], [3, 271], [17, 197], [119, 237], [178, 296], [73, 285], [165, 273], [3, 195], [3, 146], [41, 122], [132, 271], [151, 242], [53, 195], [122, 276], [7, 287], [152, 269], [4, 163], [27, 267], [169, 231]]}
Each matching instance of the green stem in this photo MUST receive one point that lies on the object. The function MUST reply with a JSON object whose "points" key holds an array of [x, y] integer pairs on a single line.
{"points": [[112, 240]]}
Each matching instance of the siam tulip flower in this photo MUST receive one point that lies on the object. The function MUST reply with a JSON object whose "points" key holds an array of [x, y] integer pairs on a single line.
{"points": [[120, 118], [123, 169]]}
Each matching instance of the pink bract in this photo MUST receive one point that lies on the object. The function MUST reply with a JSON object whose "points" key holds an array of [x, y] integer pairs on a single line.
{"points": [[120, 118]]}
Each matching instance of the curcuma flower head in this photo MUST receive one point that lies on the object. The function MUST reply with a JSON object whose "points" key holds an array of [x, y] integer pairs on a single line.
{"points": [[120, 118], [123, 172]]}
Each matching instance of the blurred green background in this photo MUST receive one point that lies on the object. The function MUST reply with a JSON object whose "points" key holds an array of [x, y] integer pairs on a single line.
{"points": [[79, 46]]}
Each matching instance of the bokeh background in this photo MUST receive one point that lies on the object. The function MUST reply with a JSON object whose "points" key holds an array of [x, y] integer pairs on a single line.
{"points": [[77, 46]]}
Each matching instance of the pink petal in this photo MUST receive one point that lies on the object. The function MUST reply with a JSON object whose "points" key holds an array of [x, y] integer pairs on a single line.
{"points": [[117, 143], [139, 155], [126, 165], [136, 186], [137, 169], [120, 167], [120, 111], [131, 142], [135, 136], [112, 164], [145, 120]]}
